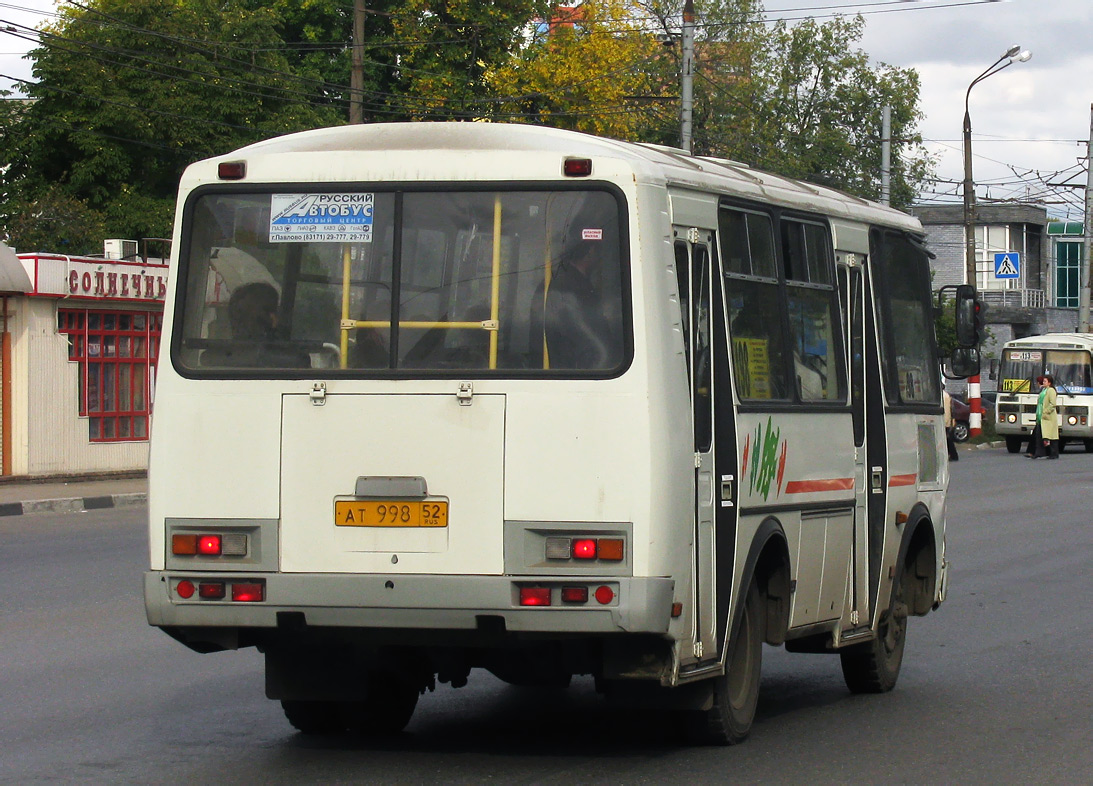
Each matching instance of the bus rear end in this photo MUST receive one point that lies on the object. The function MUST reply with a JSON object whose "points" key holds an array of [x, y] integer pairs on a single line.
{"points": [[400, 437]]}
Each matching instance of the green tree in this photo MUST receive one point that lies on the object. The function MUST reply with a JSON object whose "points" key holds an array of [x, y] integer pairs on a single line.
{"points": [[800, 100], [447, 49], [317, 37], [129, 92], [56, 222], [595, 71], [945, 328], [822, 105]]}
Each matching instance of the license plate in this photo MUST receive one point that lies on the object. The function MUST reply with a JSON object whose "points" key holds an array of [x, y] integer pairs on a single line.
{"points": [[391, 513]]}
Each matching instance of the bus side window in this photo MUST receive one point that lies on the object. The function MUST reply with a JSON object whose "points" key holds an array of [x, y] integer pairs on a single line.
{"points": [[813, 314], [755, 305]]}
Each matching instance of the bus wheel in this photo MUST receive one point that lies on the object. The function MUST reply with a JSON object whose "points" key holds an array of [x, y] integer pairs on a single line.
{"points": [[873, 666], [1013, 444], [315, 717], [736, 693], [389, 706], [1088, 445]]}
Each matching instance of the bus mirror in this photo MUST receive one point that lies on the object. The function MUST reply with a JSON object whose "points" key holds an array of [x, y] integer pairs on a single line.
{"points": [[964, 362], [967, 334]]}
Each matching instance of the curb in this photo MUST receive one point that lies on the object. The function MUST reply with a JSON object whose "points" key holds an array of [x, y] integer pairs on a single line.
{"points": [[74, 504]]}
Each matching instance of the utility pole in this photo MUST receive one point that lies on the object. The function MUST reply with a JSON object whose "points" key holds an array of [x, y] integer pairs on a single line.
{"points": [[886, 155], [356, 77], [687, 76], [1087, 232]]}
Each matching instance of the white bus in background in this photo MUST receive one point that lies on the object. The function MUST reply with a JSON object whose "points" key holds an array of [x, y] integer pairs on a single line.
{"points": [[1066, 357], [442, 397]]}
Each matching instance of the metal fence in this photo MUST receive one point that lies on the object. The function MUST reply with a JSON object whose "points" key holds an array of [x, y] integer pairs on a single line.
{"points": [[1017, 298]]}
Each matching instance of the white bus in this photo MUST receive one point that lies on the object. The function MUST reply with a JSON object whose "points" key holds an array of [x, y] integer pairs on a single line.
{"points": [[1066, 357], [443, 397]]}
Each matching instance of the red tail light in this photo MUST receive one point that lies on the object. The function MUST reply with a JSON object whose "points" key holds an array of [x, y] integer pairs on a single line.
{"points": [[584, 548], [535, 596], [211, 590], [185, 589], [208, 545], [605, 595], [575, 594], [248, 592]]}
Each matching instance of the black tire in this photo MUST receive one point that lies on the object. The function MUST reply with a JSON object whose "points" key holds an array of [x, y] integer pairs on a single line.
{"points": [[961, 431], [1088, 445], [389, 706], [1013, 444], [736, 692], [315, 717], [873, 667]]}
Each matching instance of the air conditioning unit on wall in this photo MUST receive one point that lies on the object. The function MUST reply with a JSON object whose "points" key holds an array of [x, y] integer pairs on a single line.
{"points": [[120, 249]]}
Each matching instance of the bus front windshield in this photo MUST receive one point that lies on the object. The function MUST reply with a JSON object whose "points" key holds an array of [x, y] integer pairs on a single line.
{"points": [[386, 281], [1070, 369]]}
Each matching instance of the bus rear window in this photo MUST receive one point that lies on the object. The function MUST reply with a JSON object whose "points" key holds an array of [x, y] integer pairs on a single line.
{"points": [[382, 282]]}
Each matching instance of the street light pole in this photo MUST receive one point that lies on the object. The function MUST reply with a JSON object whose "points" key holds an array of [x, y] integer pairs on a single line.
{"points": [[1013, 55]]}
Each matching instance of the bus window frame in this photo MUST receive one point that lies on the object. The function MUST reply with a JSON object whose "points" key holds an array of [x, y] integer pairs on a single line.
{"points": [[397, 188], [793, 402]]}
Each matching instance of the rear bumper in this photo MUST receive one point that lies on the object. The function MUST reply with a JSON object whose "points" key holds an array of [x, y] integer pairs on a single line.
{"points": [[407, 601]]}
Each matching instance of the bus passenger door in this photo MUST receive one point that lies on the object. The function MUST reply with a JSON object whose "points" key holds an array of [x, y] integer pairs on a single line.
{"points": [[694, 271], [852, 297]]}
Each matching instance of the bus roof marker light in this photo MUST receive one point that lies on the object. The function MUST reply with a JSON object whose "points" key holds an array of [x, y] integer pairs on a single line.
{"points": [[577, 167], [231, 170]]}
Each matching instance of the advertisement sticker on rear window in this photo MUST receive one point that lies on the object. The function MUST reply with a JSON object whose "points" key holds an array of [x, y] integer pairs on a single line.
{"points": [[321, 218]]}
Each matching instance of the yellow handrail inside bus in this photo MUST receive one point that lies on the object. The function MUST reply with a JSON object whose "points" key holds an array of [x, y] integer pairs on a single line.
{"points": [[492, 324], [344, 353], [546, 288], [484, 324], [495, 283]]}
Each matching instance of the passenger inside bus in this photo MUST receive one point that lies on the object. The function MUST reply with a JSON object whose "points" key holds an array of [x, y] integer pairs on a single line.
{"points": [[581, 333]]}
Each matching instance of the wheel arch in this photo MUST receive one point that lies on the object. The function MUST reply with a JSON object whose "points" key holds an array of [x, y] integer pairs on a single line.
{"points": [[767, 563], [918, 558]]}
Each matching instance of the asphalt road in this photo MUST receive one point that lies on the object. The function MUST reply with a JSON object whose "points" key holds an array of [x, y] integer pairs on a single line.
{"points": [[996, 685]]}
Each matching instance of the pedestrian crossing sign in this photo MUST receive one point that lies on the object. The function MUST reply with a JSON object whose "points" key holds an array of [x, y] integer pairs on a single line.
{"points": [[1007, 265]]}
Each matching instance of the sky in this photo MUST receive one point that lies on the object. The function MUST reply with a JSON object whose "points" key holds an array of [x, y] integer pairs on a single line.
{"points": [[1030, 122]]}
